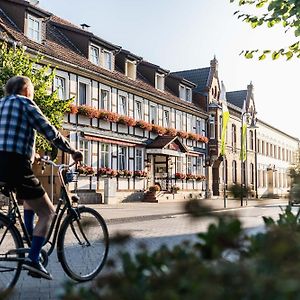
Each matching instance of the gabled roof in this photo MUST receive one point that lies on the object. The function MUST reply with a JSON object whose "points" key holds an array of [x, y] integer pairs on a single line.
{"points": [[197, 76], [237, 98], [162, 142], [58, 47]]}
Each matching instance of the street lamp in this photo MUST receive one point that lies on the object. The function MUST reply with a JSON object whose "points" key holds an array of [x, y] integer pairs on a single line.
{"points": [[249, 117]]}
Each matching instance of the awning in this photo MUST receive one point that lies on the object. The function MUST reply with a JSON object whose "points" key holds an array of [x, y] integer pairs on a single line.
{"points": [[170, 143], [107, 141]]}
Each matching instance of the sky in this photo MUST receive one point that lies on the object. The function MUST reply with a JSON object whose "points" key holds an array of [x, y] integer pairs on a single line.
{"points": [[181, 35]]}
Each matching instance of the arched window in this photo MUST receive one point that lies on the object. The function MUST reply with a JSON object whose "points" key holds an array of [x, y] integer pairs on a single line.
{"points": [[252, 173], [233, 137], [251, 140], [234, 172]]}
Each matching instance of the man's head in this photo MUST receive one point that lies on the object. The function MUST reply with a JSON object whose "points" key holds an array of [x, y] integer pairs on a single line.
{"points": [[19, 85]]}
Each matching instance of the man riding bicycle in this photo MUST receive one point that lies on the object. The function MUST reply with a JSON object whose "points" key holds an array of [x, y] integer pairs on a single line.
{"points": [[20, 117]]}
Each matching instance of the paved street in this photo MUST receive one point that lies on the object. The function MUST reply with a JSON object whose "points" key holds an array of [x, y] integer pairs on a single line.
{"points": [[153, 224]]}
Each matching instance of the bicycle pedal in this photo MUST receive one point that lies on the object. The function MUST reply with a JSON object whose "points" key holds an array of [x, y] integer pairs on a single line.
{"points": [[34, 275]]}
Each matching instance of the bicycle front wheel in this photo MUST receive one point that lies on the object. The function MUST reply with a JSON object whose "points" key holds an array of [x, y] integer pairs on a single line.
{"points": [[10, 266], [82, 244]]}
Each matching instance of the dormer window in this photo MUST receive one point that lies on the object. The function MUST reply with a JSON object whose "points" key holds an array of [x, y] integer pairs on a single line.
{"points": [[130, 69], [95, 55], [160, 81], [185, 93], [34, 29], [107, 61]]}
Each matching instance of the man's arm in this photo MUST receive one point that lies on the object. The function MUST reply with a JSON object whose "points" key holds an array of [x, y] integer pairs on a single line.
{"points": [[41, 124]]}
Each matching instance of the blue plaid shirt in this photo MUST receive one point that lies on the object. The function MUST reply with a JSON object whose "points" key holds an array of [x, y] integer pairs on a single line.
{"points": [[20, 117]]}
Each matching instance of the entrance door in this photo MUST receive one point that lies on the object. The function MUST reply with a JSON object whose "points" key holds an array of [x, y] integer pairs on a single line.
{"points": [[161, 171], [270, 182], [215, 183]]}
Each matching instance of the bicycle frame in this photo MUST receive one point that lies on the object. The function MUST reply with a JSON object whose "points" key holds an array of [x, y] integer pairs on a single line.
{"points": [[64, 204]]}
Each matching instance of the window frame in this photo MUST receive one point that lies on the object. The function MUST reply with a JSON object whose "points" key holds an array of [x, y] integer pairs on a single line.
{"points": [[104, 153], [122, 105], [39, 31], [139, 166], [122, 155], [102, 102], [138, 115], [107, 64], [58, 87], [80, 83], [160, 81], [97, 63], [151, 119]]}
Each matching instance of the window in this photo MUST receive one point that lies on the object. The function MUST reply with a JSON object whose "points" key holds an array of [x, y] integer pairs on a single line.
{"points": [[263, 148], [279, 153], [212, 127], [138, 110], [130, 69], [251, 140], [179, 164], [34, 29], [258, 146], [188, 94], [82, 93], [84, 148], [138, 159], [189, 123], [60, 86], [153, 114], [107, 60], [189, 165], [199, 165], [122, 105], [104, 100], [185, 93], [267, 149], [234, 172], [160, 82], [178, 121], [252, 173], [182, 92], [104, 155], [122, 158], [166, 118], [233, 137], [94, 55]]}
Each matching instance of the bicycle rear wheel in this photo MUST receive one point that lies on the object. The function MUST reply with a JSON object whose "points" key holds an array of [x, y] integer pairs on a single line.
{"points": [[82, 244], [10, 240]]}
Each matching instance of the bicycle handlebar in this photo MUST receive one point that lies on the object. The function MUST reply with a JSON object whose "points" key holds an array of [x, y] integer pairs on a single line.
{"points": [[47, 160]]}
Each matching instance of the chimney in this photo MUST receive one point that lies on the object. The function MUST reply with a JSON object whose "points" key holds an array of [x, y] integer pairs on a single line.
{"points": [[34, 2], [85, 26]]}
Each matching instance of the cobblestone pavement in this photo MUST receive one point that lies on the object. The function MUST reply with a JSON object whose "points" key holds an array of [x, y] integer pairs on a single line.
{"points": [[164, 228]]}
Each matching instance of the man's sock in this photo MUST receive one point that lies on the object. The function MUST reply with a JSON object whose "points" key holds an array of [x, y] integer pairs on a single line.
{"points": [[36, 246], [29, 220]]}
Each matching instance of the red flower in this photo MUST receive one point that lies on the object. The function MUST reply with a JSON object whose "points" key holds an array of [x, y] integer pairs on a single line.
{"points": [[88, 111], [139, 173], [182, 134], [158, 129], [180, 176], [143, 125], [85, 170], [125, 120], [171, 131], [73, 109]]}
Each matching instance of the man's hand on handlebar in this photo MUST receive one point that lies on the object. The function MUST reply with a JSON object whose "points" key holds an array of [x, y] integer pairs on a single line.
{"points": [[77, 156]]}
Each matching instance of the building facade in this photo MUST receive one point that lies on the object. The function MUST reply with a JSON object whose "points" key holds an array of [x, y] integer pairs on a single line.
{"points": [[140, 125], [134, 121]]}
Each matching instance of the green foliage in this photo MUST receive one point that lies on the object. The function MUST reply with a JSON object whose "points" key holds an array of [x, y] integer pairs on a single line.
{"points": [[285, 13], [236, 190], [14, 61], [225, 263]]}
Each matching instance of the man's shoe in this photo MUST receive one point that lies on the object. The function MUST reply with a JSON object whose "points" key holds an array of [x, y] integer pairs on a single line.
{"points": [[37, 268]]}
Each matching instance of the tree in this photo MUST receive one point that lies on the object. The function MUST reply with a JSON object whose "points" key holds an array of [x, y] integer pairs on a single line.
{"points": [[275, 12], [14, 61]]}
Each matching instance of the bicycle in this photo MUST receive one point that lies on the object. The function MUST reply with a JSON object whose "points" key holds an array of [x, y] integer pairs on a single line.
{"points": [[81, 237]]}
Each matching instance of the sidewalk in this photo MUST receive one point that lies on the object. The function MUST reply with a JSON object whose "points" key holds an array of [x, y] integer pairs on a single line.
{"points": [[125, 212]]}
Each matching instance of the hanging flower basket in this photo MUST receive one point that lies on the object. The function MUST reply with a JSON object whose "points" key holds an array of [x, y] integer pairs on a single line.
{"points": [[140, 174], [85, 170], [158, 129], [180, 176], [171, 131], [143, 125]]}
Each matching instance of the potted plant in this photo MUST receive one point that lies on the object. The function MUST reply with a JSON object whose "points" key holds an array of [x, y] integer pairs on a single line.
{"points": [[171, 131], [140, 174], [180, 176], [143, 125], [158, 129], [182, 134], [85, 170]]}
